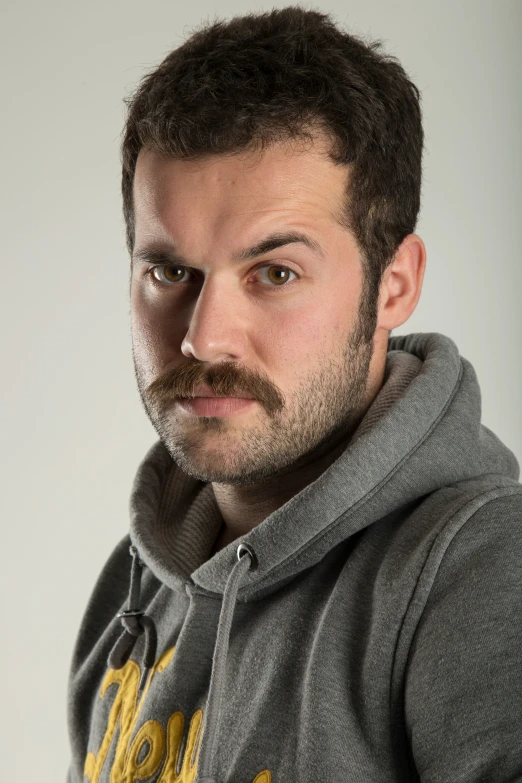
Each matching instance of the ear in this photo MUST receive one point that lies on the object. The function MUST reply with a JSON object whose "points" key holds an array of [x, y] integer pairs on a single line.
{"points": [[402, 283]]}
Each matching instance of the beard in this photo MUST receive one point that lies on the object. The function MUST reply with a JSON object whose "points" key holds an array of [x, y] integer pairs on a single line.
{"points": [[279, 437]]}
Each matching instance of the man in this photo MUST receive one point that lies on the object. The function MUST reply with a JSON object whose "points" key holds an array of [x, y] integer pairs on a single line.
{"points": [[325, 544]]}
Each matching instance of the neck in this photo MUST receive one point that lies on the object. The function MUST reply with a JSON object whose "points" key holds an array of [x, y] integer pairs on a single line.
{"points": [[245, 507]]}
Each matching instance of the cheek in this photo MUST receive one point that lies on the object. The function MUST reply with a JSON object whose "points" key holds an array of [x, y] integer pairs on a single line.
{"points": [[150, 329], [298, 339]]}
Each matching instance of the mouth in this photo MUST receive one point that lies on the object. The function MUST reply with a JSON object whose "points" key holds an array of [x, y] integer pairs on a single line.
{"points": [[215, 406]]}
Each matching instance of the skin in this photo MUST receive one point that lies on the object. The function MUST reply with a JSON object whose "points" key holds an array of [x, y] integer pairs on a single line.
{"points": [[296, 342]]}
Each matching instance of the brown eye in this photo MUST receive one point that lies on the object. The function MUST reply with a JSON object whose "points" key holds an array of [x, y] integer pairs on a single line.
{"points": [[168, 274], [277, 275]]}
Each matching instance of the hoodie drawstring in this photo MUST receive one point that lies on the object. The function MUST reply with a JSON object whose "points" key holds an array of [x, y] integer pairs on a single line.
{"points": [[217, 678], [135, 623]]}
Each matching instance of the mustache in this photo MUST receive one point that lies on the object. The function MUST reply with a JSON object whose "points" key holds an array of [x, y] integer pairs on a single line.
{"points": [[224, 379]]}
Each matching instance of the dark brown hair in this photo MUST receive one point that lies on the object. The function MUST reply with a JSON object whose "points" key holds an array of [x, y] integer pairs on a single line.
{"points": [[257, 79]]}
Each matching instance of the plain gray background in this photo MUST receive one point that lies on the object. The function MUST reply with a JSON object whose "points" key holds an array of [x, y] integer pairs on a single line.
{"points": [[73, 427]]}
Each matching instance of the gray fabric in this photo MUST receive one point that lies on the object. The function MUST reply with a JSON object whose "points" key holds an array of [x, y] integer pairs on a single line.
{"points": [[375, 635]]}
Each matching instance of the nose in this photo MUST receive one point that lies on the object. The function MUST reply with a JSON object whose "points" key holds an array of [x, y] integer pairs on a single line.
{"points": [[217, 327]]}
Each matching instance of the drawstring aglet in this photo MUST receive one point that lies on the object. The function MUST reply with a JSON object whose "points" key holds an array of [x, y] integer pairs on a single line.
{"points": [[132, 627]]}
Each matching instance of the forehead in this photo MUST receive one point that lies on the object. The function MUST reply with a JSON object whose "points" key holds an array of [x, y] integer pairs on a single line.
{"points": [[287, 181]]}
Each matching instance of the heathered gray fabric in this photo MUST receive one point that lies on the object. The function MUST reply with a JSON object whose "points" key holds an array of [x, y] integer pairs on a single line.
{"points": [[376, 632]]}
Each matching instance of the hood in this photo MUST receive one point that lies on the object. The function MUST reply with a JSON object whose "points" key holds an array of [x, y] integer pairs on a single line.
{"points": [[423, 431]]}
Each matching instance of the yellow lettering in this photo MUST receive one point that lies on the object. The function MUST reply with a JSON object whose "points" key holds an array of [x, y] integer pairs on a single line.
{"points": [[263, 777], [122, 711], [174, 737], [150, 740], [125, 710], [151, 734]]}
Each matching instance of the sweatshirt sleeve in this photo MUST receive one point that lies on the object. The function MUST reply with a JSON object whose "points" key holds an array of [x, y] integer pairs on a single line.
{"points": [[463, 686]]}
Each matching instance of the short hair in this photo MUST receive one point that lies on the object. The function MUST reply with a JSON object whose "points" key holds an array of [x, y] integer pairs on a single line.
{"points": [[258, 79]]}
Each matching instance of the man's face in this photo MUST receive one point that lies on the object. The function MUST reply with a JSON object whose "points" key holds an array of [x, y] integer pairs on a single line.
{"points": [[281, 326]]}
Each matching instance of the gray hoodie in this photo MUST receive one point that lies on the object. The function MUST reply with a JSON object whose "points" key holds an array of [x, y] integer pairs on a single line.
{"points": [[367, 631]]}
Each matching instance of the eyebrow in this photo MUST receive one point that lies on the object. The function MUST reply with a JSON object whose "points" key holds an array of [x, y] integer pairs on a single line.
{"points": [[266, 245]]}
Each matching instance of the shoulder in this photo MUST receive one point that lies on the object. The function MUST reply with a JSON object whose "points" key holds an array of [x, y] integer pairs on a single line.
{"points": [[461, 686], [481, 532]]}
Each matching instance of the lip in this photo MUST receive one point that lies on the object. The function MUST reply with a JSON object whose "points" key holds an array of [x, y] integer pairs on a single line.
{"points": [[204, 391], [216, 406]]}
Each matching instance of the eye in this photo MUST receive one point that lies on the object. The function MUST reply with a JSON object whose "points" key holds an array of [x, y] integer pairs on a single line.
{"points": [[277, 275], [164, 273]]}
